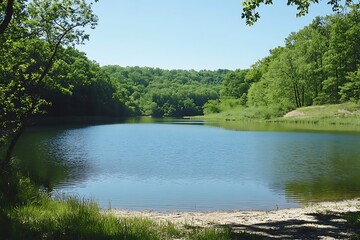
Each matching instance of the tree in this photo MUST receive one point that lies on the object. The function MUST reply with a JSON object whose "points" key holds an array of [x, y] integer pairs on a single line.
{"points": [[350, 91], [251, 15], [317, 65], [93, 92], [46, 27], [234, 85], [170, 93], [6, 14], [343, 54]]}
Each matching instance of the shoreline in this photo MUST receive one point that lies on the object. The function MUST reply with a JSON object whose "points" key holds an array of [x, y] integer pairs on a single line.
{"points": [[323, 220]]}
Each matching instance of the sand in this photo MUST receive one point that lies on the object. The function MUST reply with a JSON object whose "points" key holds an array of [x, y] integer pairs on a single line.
{"points": [[314, 221]]}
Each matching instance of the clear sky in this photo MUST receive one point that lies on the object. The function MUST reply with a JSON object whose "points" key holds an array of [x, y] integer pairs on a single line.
{"points": [[189, 34]]}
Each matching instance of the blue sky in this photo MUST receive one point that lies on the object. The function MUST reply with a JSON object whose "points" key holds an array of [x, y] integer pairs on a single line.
{"points": [[189, 34]]}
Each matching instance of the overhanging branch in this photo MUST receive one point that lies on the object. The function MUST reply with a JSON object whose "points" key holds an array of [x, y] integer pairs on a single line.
{"points": [[9, 11]]}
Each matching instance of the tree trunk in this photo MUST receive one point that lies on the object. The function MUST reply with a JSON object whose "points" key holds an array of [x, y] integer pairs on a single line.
{"points": [[10, 149], [296, 95], [9, 11]]}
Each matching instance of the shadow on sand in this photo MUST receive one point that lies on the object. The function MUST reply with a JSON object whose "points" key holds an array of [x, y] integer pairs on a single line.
{"points": [[323, 226]]}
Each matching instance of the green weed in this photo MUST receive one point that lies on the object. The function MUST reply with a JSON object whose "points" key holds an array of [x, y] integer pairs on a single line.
{"points": [[224, 233], [353, 220]]}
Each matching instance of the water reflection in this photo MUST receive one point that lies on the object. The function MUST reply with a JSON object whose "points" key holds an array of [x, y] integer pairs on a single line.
{"points": [[187, 166], [284, 127]]}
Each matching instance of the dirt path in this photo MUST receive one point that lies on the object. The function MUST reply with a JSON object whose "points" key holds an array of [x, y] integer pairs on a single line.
{"points": [[315, 221]]}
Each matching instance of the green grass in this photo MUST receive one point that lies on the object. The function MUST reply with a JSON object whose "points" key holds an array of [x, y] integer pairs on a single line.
{"points": [[71, 218], [335, 114], [346, 114], [224, 233], [353, 220], [38, 216], [25, 213], [240, 113]]}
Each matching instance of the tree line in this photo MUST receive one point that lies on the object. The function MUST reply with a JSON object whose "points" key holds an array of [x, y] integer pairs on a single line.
{"points": [[41, 71], [320, 64], [166, 93], [117, 91], [32, 36]]}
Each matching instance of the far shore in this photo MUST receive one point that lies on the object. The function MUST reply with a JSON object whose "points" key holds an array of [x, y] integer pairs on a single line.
{"points": [[324, 220]]}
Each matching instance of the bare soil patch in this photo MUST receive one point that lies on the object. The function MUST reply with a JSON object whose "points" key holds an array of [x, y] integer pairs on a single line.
{"points": [[295, 114]]}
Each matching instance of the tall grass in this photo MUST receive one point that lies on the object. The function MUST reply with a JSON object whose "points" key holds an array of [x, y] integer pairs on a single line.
{"points": [[73, 218], [26, 213], [345, 114], [241, 113]]}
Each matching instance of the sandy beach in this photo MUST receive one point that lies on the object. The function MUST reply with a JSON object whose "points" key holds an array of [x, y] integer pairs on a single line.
{"points": [[314, 221]]}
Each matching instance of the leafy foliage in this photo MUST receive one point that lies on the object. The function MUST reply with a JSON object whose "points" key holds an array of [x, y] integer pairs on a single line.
{"points": [[27, 214], [318, 65], [251, 15], [28, 51], [89, 90], [168, 93]]}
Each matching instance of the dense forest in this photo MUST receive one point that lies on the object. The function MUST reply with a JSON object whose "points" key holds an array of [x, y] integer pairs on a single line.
{"points": [[129, 91], [317, 65], [169, 93], [41, 71]]}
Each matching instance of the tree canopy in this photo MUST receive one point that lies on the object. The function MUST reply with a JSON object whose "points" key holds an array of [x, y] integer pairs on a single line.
{"points": [[40, 68], [29, 49], [251, 15], [6, 14], [317, 65], [166, 93]]}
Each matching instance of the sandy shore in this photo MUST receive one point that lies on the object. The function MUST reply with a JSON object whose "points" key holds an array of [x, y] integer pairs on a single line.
{"points": [[314, 221]]}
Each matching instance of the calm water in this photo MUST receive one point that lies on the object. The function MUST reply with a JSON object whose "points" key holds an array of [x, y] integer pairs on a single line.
{"points": [[193, 166]]}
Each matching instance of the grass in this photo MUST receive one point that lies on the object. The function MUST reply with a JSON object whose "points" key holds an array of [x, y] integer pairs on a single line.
{"points": [[240, 113], [71, 218], [224, 233], [345, 114], [335, 114], [353, 220], [26, 213]]}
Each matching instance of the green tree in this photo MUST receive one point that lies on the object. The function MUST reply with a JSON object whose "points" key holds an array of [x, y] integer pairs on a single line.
{"points": [[28, 51], [6, 13], [350, 91], [170, 93], [234, 85], [343, 54], [92, 93], [251, 15], [317, 65]]}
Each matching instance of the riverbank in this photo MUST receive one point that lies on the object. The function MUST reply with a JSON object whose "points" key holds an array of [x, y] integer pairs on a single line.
{"points": [[341, 115], [325, 220]]}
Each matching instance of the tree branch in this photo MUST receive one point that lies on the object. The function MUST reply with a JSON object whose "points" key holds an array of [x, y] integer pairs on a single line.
{"points": [[8, 15], [56, 48]]}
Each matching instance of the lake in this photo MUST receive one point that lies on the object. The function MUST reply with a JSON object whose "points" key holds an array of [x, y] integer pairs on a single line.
{"points": [[194, 166]]}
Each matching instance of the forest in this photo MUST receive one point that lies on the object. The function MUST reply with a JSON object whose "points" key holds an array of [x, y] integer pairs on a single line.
{"points": [[43, 74], [317, 65]]}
